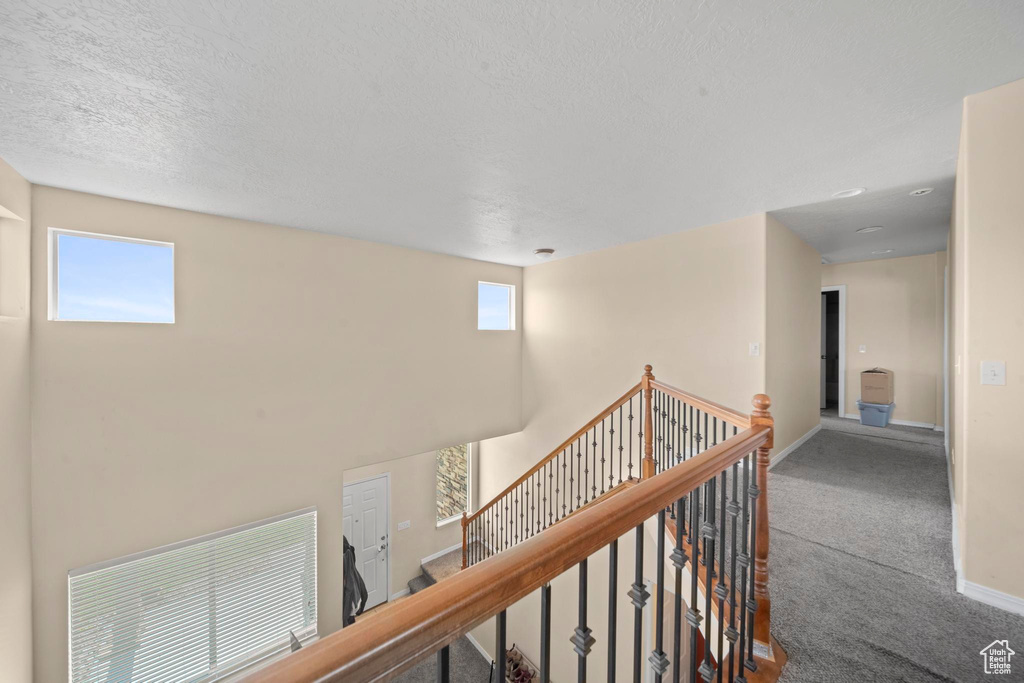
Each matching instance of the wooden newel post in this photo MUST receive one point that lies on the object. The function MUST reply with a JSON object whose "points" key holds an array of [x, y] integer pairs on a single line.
{"points": [[648, 469], [464, 546], [763, 616]]}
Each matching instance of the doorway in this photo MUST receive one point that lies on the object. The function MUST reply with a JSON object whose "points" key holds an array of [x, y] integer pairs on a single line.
{"points": [[365, 519], [833, 351]]}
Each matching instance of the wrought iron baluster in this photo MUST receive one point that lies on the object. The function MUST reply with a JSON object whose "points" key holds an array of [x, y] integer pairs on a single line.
{"points": [[720, 590], [582, 639], [613, 585], [631, 437], [593, 480], [586, 466], [742, 561], [693, 617], [443, 665], [678, 558], [602, 457], [620, 444], [751, 600], [638, 594], [658, 660], [565, 459], [545, 633], [579, 474], [499, 645], [732, 509]]}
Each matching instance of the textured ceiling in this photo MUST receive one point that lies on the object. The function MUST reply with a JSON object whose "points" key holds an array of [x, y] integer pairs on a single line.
{"points": [[485, 128], [910, 225]]}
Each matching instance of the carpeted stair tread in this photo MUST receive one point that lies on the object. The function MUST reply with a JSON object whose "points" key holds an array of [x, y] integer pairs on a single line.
{"points": [[419, 583]]}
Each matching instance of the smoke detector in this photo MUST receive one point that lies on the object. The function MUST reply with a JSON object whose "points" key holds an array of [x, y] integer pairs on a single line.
{"points": [[544, 253], [852, 192]]}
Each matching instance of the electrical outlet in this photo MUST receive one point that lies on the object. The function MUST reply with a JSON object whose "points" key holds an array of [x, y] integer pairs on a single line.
{"points": [[862, 348], [404, 525], [755, 349]]}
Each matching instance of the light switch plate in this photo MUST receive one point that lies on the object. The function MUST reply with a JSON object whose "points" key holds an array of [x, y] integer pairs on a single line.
{"points": [[404, 525], [993, 372], [755, 349]]}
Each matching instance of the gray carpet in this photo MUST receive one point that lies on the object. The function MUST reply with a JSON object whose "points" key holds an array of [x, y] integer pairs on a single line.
{"points": [[861, 570], [467, 666]]}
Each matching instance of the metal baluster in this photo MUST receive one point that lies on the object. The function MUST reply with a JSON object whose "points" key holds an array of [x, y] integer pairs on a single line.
{"points": [[545, 633], [751, 601], [638, 594], [630, 437], [499, 645], [443, 659], [551, 498], [732, 509], [593, 481], [720, 590], [538, 514], [658, 660], [602, 457], [586, 465], [579, 475], [620, 444], [678, 558], [707, 669], [742, 560], [582, 640], [693, 617], [613, 585], [564, 460], [713, 438], [703, 438]]}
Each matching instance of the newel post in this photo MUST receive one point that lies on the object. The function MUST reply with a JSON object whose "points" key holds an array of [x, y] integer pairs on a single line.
{"points": [[763, 616], [464, 539], [648, 469]]}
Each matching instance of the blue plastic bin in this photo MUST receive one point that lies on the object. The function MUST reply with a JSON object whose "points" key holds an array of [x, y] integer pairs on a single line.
{"points": [[875, 414]]}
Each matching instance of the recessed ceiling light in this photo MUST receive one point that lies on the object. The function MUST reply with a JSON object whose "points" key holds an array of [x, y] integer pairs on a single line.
{"points": [[852, 192], [920, 192], [883, 251], [873, 228], [543, 253]]}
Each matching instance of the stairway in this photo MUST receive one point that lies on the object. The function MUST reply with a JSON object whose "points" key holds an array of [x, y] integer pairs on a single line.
{"points": [[438, 569]]}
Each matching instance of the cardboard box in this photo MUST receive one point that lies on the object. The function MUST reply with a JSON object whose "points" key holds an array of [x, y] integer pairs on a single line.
{"points": [[877, 386]]}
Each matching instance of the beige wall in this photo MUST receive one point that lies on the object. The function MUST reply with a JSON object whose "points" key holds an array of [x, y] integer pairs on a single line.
{"points": [[15, 431], [295, 356], [413, 498], [688, 303], [989, 242], [793, 348], [894, 308]]}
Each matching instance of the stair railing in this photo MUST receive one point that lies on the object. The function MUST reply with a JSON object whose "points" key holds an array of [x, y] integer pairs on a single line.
{"points": [[650, 428], [715, 497]]}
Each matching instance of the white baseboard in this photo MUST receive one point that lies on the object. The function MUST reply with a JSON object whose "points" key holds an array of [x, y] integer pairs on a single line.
{"points": [[903, 423], [793, 446], [400, 594], [439, 553], [990, 596], [480, 648], [939, 428]]}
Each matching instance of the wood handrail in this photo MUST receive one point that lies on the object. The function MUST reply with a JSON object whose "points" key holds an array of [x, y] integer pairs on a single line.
{"points": [[565, 444], [434, 617], [731, 416]]}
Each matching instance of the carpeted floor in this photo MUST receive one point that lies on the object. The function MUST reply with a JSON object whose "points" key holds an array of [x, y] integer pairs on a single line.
{"points": [[467, 666], [861, 572]]}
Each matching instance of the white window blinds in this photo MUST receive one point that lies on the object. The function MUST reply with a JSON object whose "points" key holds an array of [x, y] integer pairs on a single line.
{"points": [[196, 610]]}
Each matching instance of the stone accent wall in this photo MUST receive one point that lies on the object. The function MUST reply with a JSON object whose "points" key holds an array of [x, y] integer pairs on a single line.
{"points": [[452, 481]]}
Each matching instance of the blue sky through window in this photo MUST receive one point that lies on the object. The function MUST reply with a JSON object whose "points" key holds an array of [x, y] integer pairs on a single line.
{"points": [[113, 280], [494, 306]]}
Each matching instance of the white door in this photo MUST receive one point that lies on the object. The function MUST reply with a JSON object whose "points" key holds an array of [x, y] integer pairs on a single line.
{"points": [[365, 525], [824, 346]]}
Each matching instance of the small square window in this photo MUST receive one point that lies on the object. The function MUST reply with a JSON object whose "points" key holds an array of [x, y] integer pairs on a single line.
{"points": [[496, 306], [104, 278]]}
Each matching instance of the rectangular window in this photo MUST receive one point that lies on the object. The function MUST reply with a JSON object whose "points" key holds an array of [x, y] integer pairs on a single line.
{"points": [[197, 610], [452, 482], [495, 306], [104, 278]]}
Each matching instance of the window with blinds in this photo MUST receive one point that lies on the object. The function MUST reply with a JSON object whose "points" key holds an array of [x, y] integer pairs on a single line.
{"points": [[196, 610]]}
